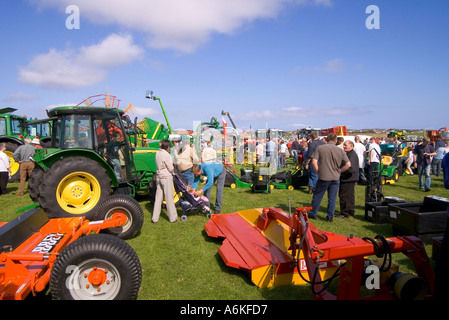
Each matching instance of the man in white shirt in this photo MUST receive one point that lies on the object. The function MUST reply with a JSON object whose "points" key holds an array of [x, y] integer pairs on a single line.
{"points": [[374, 158], [260, 152], [360, 149]]}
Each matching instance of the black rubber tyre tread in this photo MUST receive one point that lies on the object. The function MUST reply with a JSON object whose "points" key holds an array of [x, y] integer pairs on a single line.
{"points": [[116, 203], [98, 246], [34, 183], [58, 171]]}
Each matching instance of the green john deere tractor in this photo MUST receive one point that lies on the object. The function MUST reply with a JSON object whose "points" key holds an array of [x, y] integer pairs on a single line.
{"points": [[12, 133], [90, 157]]}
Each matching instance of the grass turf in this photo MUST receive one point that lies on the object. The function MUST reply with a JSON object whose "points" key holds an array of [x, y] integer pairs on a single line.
{"points": [[180, 262]]}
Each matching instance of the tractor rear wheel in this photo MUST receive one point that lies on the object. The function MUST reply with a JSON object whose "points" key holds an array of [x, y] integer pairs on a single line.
{"points": [[126, 205], [34, 183], [96, 267], [74, 187]]}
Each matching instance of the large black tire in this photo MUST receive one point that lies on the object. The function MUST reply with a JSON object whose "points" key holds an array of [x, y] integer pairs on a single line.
{"points": [[74, 187], [34, 183], [124, 204], [96, 267]]}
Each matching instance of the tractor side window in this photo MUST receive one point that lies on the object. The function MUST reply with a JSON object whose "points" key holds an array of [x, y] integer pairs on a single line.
{"points": [[56, 136], [114, 148], [111, 144], [16, 126], [2, 127]]}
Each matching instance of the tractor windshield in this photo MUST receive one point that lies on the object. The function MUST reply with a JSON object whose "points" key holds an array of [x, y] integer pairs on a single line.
{"points": [[77, 131]]}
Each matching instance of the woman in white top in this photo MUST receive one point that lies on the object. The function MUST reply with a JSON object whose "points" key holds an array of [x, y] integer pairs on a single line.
{"points": [[4, 169], [164, 182]]}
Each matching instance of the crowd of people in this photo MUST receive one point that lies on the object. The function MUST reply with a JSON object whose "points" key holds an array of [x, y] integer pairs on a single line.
{"points": [[330, 170], [333, 165]]}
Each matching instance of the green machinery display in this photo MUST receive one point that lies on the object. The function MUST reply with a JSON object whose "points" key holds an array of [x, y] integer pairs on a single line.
{"points": [[90, 158], [12, 132], [391, 165]]}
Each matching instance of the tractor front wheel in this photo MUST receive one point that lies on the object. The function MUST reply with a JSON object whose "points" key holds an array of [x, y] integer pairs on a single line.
{"points": [[74, 187], [96, 267], [129, 207]]}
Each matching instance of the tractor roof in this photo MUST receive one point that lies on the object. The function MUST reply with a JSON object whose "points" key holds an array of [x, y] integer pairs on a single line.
{"points": [[82, 110]]}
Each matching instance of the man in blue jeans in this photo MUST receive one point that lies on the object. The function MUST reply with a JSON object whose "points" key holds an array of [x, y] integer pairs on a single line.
{"points": [[313, 177], [424, 151], [214, 171], [329, 161]]}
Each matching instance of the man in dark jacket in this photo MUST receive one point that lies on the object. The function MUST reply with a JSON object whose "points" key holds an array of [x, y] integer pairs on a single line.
{"points": [[313, 176], [424, 151], [348, 180]]}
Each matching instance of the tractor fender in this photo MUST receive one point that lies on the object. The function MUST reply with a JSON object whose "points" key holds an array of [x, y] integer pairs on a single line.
{"points": [[12, 139], [145, 159], [54, 155]]}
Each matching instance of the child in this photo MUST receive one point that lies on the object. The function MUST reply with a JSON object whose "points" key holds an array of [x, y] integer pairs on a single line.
{"points": [[409, 161], [191, 190]]}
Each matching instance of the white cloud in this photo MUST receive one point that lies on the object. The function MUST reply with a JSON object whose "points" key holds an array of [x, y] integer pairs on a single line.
{"points": [[113, 51], [87, 66], [20, 96], [179, 24], [331, 66], [141, 112]]}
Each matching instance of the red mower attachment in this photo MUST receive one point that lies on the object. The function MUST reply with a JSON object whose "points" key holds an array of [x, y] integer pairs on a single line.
{"points": [[278, 249], [71, 255]]}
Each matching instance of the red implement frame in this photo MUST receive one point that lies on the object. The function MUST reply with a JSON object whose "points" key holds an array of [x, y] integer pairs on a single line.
{"points": [[27, 268], [246, 248], [319, 246]]}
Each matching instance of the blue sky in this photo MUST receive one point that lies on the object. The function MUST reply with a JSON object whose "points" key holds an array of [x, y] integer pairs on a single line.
{"points": [[282, 64]]}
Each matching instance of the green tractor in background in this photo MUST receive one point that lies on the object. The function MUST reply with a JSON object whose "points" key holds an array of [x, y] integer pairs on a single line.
{"points": [[12, 132], [40, 129], [90, 157], [14, 129]]}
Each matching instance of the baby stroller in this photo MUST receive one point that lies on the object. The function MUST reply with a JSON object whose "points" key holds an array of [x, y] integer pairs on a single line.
{"points": [[188, 201]]}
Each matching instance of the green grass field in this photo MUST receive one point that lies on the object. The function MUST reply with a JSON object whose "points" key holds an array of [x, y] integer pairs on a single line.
{"points": [[180, 261]]}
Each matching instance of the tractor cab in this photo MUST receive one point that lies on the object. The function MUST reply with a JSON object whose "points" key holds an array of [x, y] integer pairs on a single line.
{"points": [[101, 130]]}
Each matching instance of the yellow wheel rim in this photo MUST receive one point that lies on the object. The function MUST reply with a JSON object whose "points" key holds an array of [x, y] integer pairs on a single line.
{"points": [[14, 166], [78, 192]]}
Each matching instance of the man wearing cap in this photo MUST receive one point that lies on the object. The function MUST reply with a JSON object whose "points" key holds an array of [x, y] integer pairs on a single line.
{"points": [[24, 156]]}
